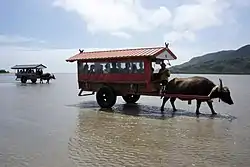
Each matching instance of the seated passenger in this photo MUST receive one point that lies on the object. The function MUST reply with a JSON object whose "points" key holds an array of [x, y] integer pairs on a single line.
{"points": [[92, 69], [141, 69], [85, 68], [127, 68], [119, 68], [134, 68], [107, 68], [114, 69], [101, 71]]}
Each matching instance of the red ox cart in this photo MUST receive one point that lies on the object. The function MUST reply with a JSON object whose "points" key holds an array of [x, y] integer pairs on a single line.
{"points": [[127, 72]]}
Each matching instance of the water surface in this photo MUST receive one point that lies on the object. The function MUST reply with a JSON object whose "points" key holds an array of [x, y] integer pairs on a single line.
{"points": [[48, 125]]}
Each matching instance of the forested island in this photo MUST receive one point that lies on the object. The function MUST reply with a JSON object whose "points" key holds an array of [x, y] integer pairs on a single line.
{"points": [[3, 71], [222, 62]]}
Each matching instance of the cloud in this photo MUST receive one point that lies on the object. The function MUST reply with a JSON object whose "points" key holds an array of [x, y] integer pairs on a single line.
{"points": [[16, 39], [112, 16], [196, 16], [118, 17], [200, 15], [179, 35], [241, 3], [121, 34]]}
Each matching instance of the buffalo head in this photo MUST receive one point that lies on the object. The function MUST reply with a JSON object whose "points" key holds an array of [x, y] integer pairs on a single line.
{"points": [[53, 76], [221, 92]]}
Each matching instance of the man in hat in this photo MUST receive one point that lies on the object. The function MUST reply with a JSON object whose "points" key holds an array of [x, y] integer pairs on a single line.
{"points": [[164, 75]]}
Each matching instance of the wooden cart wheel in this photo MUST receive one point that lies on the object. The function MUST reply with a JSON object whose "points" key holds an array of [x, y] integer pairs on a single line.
{"points": [[23, 79], [131, 98], [33, 80], [106, 97]]}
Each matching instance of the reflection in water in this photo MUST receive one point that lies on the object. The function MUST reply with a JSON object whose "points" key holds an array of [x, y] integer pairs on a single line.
{"points": [[149, 111], [115, 139]]}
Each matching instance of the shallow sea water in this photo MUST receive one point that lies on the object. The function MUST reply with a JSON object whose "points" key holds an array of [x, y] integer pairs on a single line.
{"points": [[48, 125]]}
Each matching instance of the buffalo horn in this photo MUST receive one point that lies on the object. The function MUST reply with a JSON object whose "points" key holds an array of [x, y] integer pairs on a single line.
{"points": [[221, 86]]}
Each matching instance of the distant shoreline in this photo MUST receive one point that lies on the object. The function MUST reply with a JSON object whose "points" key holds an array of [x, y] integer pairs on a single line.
{"points": [[4, 72]]}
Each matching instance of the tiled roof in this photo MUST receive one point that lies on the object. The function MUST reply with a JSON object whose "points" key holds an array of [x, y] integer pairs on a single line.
{"points": [[121, 53]]}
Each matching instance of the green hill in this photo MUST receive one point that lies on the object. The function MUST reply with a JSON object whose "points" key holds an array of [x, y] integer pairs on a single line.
{"points": [[222, 62], [3, 71]]}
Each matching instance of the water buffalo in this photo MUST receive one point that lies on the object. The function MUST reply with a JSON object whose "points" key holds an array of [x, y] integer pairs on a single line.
{"points": [[47, 76], [197, 86]]}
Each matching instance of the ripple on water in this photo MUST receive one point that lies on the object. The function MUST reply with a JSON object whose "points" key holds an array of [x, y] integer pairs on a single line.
{"points": [[10, 160], [118, 139]]}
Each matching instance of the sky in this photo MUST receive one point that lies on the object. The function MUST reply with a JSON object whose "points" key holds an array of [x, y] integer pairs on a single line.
{"points": [[50, 31]]}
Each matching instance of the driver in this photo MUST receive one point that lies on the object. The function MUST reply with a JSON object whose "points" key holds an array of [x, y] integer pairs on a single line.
{"points": [[164, 75]]}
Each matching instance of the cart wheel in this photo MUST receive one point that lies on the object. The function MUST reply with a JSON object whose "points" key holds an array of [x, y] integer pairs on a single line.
{"points": [[131, 98], [23, 79], [33, 80], [106, 97]]}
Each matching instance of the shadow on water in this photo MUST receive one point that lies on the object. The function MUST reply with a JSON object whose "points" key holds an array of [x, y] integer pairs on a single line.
{"points": [[30, 84], [147, 111]]}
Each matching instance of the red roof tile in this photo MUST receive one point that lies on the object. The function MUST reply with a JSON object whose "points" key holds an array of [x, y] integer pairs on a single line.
{"points": [[121, 53]]}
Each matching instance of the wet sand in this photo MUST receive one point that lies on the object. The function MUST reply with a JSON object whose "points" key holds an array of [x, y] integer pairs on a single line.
{"points": [[48, 125]]}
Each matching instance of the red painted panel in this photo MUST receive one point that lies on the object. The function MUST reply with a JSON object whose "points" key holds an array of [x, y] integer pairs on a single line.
{"points": [[112, 78]]}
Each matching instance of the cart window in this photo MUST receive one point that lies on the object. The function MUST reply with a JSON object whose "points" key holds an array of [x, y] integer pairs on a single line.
{"points": [[83, 68], [137, 67], [124, 67], [127, 67], [99, 68]]}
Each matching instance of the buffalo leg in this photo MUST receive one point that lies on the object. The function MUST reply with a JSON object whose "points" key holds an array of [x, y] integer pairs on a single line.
{"points": [[172, 100], [210, 104], [198, 104], [165, 99]]}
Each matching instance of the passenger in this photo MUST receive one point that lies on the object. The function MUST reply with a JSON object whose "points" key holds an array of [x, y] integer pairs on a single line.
{"points": [[141, 69], [85, 68], [134, 68], [97, 68], [127, 68], [164, 75], [39, 72], [107, 68], [92, 69], [119, 67], [114, 69], [101, 71]]}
